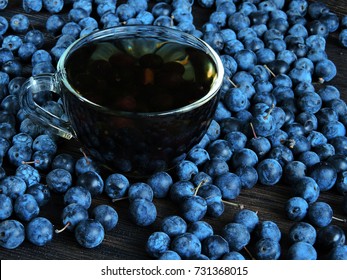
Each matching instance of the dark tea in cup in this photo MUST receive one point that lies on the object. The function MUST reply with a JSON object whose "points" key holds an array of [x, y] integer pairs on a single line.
{"points": [[136, 97], [140, 75]]}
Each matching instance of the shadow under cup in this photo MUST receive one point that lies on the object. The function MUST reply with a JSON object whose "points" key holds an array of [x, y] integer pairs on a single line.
{"points": [[138, 141]]}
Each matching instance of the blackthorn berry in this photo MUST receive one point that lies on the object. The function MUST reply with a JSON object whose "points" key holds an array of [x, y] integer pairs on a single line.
{"points": [[72, 214], [89, 233], [268, 229], [173, 225], [307, 188], [269, 172], [193, 208], [233, 256], [140, 190], [324, 174], [214, 247], [296, 208], [40, 192], [26, 208], [186, 245], [13, 186], [329, 237], [79, 195], [302, 231], [39, 231], [320, 213], [53, 6], [157, 243], [267, 249], [59, 180], [94, 183], [246, 217], [301, 251], [200, 229], [6, 207], [160, 182], [169, 255], [229, 184], [12, 234], [142, 212], [32, 6], [338, 253], [106, 215], [237, 235]]}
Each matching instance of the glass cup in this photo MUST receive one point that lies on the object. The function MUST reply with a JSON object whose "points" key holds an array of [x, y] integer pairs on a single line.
{"points": [[136, 143]]}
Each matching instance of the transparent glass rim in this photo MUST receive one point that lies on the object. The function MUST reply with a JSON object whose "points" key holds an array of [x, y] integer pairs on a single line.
{"points": [[147, 31]]}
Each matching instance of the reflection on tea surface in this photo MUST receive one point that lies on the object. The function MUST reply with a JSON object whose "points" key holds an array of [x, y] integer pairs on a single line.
{"points": [[140, 75]]}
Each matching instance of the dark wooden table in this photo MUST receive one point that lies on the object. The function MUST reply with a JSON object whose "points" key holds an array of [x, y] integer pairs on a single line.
{"points": [[127, 241]]}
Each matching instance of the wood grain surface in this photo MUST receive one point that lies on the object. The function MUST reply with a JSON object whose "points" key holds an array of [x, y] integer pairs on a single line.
{"points": [[127, 241]]}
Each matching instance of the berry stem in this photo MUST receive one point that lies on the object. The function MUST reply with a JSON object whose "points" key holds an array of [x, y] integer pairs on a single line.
{"points": [[321, 80], [238, 205], [234, 85], [64, 228], [85, 156], [253, 130], [249, 253], [268, 69], [198, 187], [37, 161], [340, 219], [58, 36], [120, 198], [270, 111]]}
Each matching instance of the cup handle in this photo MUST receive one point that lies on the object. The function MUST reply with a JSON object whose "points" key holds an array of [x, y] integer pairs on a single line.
{"points": [[37, 84]]}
